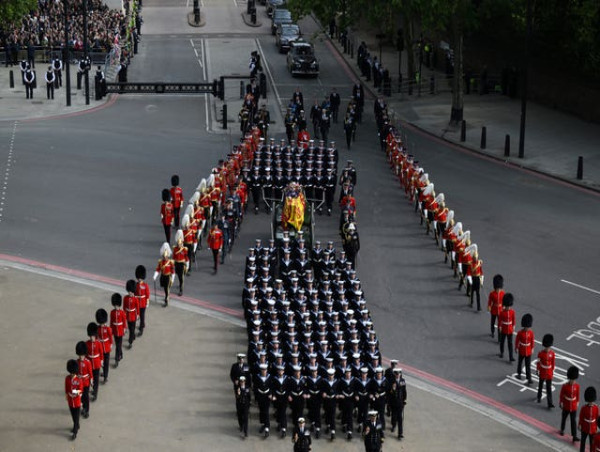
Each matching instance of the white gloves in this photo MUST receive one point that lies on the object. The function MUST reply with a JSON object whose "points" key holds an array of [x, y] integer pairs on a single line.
{"points": [[155, 276]]}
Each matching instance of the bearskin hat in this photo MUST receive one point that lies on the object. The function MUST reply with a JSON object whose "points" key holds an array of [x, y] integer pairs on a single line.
{"points": [[92, 329], [80, 348], [573, 373], [498, 282], [116, 299], [130, 286], [72, 366], [590, 394], [508, 300], [140, 272], [174, 180], [548, 340], [101, 316], [166, 194], [527, 321]]}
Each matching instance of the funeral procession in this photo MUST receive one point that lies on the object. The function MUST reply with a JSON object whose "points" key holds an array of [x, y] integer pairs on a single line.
{"points": [[298, 225]]}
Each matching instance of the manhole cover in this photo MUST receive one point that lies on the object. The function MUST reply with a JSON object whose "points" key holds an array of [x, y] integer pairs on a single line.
{"points": [[37, 102]]}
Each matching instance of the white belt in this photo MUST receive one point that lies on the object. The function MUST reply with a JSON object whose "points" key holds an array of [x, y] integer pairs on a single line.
{"points": [[570, 399], [130, 310], [545, 367], [120, 323], [526, 345]]}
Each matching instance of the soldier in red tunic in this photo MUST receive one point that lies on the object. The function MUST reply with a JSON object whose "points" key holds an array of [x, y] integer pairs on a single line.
{"points": [[167, 214], [588, 418], [166, 270], [176, 198], [95, 353], [569, 402], [506, 325], [142, 291], [475, 279], [131, 306], [73, 391], [495, 302], [118, 324], [215, 242], [105, 337], [545, 369], [85, 373], [524, 347], [181, 258]]}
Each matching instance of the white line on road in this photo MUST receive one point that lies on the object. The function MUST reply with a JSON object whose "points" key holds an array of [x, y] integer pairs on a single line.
{"points": [[266, 66], [192, 42], [206, 74], [580, 286]]}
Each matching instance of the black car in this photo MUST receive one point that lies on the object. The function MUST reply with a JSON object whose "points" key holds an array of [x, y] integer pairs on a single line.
{"points": [[280, 16], [286, 34], [301, 59], [272, 5]]}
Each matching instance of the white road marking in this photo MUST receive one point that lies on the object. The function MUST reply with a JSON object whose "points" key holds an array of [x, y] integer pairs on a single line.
{"points": [[266, 67], [207, 99], [8, 165], [192, 43], [580, 286]]}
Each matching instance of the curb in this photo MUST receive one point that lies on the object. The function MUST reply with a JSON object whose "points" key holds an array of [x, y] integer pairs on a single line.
{"points": [[404, 122], [247, 21], [190, 19]]}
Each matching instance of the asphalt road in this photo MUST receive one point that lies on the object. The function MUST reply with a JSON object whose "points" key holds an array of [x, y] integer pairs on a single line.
{"points": [[84, 192]]}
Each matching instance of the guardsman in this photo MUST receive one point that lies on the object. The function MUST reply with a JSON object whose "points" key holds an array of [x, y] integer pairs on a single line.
{"points": [[73, 391], [242, 405], [118, 324], [106, 338], [524, 344], [301, 437], [495, 302], [181, 258], [398, 400], [142, 291], [373, 433], [176, 197], [506, 326], [545, 369], [569, 402], [588, 417], [215, 243], [166, 214], [86, 375], [50, 79], [94, 354], [131, 306], [166, 270], [29, 78], [475, 278], [262, 389]]}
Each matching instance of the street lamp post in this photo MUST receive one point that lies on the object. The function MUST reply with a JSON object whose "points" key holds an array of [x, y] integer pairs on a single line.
{"points": [[400, 46], [86, 74], [66, 54], [525, 81], [420, 65]]}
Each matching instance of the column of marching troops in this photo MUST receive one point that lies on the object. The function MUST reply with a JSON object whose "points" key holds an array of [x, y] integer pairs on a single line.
{"points": [[463, 257], [312, 347], [209, 203]]}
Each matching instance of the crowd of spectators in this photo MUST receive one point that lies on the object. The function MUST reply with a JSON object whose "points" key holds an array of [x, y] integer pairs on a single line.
{"points": [[45, 27]]}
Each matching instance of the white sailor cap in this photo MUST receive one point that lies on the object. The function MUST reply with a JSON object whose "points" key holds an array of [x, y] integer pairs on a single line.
{"points": [[364, 370], [263, 366], [378, 369], [241, 355], [330, 371], [398, 370], [373, 413]]}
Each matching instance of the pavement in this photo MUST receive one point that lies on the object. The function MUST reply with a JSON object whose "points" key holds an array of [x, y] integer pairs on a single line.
{"points": [[553, 140], [171, 391]]}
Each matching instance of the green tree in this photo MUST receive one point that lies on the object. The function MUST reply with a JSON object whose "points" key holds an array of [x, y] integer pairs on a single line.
{"points": [[14, 10]]}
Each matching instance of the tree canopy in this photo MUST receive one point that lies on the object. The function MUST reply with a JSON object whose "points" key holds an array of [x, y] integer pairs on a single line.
{"points": [[14, 10]]}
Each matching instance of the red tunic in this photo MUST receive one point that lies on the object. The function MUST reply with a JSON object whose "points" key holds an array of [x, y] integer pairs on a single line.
{"points": [[475, 268], [166, 213], [506, 321], [118, 322], [95, 353], [142, 290], [131, 306], [495, 302], [105, 338], [569, 396], [85, 371], [596, 444], [73, 389], [588, 419], [177, 196], [545, 364], [441, 215], [180, 255], [215, 239], [524, 342], [165, 267], [188, 236]]}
